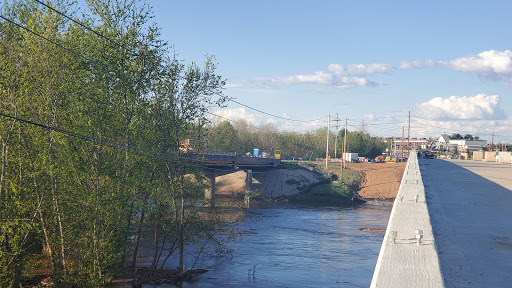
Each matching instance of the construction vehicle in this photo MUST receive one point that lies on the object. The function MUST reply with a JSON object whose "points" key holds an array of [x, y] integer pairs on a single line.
{"points": [[277, 154], [379, 159], [391, 159]]}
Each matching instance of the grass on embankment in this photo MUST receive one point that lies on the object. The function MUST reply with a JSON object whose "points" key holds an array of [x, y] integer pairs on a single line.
{"points": [[330, 191]]}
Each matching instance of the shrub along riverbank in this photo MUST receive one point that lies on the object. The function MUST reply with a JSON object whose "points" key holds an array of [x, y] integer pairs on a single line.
{"points": [[330, 191]]}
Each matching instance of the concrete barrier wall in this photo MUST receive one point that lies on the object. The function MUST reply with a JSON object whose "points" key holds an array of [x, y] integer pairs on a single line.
{"points": [[490, 156], [478, 155], [402, 262], [505, 157]]}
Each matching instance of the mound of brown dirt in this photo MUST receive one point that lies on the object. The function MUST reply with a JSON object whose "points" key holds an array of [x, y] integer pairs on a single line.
{"points": [[380, 180]]}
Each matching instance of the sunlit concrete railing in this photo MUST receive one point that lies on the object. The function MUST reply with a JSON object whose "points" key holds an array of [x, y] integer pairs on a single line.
{"points": [[408, 255]]}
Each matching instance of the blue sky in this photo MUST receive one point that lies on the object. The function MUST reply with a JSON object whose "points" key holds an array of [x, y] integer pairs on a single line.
{"points": [[448, 62]]}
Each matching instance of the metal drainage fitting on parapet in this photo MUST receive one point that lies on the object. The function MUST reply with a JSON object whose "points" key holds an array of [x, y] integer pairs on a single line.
{"points": [[393, 235], [419, 236]]}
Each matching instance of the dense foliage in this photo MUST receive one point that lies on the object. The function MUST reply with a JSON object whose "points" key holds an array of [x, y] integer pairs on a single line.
{"points": [[97, 160]]}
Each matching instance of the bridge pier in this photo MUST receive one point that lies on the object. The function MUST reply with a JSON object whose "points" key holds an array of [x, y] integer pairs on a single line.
{"points": [[209, 195], [248, 182]]}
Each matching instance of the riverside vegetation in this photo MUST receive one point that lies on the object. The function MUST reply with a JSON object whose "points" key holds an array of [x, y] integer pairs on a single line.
{"points": [[92, 113], [331, 190]]}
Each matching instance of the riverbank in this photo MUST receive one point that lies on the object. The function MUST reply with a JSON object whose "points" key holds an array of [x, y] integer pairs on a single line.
{"points": [[378, 180]]}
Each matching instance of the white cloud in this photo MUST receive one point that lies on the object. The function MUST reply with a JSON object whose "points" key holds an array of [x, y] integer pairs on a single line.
{"points": [[369, 116], [360, 69], [336, 76], [417, 64], [490, 64], [491, 61], [479, 107], [482, 128], [234, 114]]}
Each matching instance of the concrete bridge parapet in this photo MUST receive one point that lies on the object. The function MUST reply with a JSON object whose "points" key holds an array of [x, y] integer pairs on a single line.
{"points": [[408, 255]]}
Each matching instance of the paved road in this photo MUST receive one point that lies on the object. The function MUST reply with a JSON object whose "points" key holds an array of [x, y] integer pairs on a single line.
{"points": [[470, 205]]}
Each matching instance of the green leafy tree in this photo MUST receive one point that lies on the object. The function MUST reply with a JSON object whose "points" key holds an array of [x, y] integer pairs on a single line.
{"points": [[456, 136], [224, 138]]}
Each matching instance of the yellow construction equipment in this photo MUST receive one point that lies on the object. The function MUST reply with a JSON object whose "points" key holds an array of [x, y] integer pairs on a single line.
{"points": [[277, 154], [390, 159]]}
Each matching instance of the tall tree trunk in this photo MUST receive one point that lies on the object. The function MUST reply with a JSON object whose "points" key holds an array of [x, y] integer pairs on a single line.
{"points": [[40, 199], [5, 152], [56, 208], [134, 259]]}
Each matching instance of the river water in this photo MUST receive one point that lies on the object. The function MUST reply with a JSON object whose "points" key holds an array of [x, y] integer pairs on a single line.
{"points": [[301, 247]]}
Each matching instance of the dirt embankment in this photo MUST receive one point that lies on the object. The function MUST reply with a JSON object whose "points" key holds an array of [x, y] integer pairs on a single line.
{"points": [[380, 180], [272, 183]]}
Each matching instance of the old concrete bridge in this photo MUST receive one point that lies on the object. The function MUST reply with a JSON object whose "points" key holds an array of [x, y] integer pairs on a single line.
{"points": [[224, 164]]}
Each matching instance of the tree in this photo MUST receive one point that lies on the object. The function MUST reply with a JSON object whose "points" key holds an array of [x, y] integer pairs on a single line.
{"points": [[224, 138], [362, 143], [74, 183], [456, 136]]}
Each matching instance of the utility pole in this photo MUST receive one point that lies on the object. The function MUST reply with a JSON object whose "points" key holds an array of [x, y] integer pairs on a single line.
{"points": [[336, 138], [408, 136], [327, 148], [345, 145], [402, 158], [343, 151]]}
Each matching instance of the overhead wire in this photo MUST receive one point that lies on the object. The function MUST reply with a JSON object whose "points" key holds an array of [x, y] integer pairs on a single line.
{"points": [[275, 116], [85, 137], [53, 42], [129, 51], [119, 146], [252, 126], [88, 28], [136, 54]]}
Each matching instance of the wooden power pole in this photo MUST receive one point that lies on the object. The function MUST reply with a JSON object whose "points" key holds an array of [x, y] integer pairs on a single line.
{"points": [[343, 151], [327, 148], [345, 145], [402, 157], [409, 136]]}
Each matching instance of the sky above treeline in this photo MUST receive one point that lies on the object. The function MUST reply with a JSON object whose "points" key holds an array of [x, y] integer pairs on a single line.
{"points": [[447, 62]]}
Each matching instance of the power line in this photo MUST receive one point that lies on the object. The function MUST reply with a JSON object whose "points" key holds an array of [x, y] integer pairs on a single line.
{"points": [[247, 124], [53, 42], [88, 28], [263, 112], [108, 143], [127, 50], [451, 129], [125, 147], [118, 44]]}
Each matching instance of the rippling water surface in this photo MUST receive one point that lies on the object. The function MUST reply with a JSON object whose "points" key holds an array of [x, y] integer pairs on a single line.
{"points": [[301, 247]]}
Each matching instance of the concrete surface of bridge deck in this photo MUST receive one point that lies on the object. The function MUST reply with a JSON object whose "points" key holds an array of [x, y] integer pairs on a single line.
{"points": [[470, 206]]}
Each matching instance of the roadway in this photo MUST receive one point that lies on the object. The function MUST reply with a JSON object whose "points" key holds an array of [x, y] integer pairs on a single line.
{"points": [[470, 205]]}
